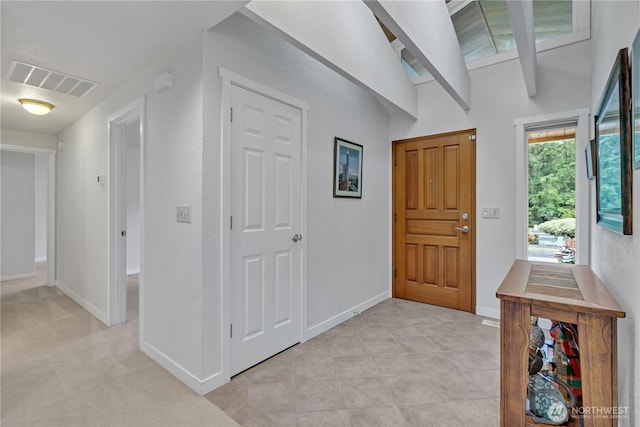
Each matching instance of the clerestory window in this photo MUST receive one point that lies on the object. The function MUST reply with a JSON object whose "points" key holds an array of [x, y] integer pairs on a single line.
{"points": [[485, 35], [483, 27]]}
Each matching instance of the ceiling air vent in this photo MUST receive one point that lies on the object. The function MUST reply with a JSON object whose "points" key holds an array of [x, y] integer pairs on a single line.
{"points": [[32, 75]]}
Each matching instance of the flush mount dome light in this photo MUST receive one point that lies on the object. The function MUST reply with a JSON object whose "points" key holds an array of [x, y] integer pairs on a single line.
{"points": [[37, 107]]}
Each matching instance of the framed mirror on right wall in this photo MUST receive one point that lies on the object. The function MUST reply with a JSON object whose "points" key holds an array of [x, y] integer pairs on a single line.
{"points": [[635, 102], [614, 150]]}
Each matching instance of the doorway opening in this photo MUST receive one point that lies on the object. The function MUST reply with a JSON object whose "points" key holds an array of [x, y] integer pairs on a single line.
{"points": [[132, 189], [40, 190], [552, 196], [28, 217], [126, 213]]}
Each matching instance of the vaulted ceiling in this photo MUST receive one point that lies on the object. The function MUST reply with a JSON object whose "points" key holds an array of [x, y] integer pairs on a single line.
{"points": [[109, 42]]}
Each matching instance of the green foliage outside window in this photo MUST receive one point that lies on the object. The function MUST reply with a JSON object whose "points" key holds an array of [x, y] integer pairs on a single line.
{"points": [[560, 227], [552, 181]]}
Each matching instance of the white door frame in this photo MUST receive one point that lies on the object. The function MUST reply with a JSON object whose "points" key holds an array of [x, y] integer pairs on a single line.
{"points": [[51, 203], [583, 211], [116, 206], [230, 78]]}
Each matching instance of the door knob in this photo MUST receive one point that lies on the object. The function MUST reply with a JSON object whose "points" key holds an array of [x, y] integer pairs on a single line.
{"points": [[464, 229], [296, 237]]}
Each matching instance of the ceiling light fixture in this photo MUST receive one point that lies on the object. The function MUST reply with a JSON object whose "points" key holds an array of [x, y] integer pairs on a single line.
{"points": [[37, 107]]}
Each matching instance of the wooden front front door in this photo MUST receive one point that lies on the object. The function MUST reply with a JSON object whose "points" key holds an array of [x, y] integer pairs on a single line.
{"points": [[434, 224]]}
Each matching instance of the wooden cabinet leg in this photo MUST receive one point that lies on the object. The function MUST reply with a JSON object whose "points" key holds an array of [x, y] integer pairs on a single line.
{"points": [[598, 368], [514, 342]]}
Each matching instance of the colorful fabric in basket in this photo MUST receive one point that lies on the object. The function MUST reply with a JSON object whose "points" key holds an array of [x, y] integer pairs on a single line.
{"points": [[567, 335]]}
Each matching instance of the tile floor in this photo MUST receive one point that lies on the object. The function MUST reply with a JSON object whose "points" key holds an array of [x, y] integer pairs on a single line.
{"points": [[397, 364]]}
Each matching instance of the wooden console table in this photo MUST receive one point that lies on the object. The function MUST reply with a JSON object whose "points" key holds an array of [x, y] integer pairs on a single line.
{"points": [[565, 293]]}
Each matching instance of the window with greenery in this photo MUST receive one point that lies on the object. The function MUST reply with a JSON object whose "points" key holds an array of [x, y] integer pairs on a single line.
{"points": [[552, 181], [552, 196]]}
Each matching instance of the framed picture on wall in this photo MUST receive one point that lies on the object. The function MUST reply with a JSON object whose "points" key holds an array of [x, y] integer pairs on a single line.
{"points": [[347, 169], [635, 102], [614, 162]]}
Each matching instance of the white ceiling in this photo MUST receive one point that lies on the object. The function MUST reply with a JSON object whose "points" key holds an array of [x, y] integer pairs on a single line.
{"points": [[107, 42]]}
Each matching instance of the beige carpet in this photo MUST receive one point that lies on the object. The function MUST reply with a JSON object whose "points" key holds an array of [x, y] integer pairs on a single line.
{"points": [[62, 367]]}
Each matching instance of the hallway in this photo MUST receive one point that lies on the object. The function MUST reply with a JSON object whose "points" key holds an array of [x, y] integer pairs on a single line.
{"points": [[62, 367]]}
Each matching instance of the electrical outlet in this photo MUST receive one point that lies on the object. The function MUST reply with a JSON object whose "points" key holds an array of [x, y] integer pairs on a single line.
{"points": [[183, 214], [491, 213]]}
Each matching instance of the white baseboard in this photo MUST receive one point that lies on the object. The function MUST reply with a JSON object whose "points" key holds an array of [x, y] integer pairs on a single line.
{"points": [[131, 271], [488, 312], [344, 316], [201, 387], [18, 276], [95, 311]]}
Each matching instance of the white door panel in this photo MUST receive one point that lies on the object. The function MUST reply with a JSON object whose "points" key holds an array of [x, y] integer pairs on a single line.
{"points": [[253, 190], [265, 262], [283, 192], [283, 291]]}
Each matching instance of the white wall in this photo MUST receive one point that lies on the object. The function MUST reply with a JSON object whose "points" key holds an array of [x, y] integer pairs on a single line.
{"points": [[328, 31], [615, 257], [132, 173], [351, 236], [498, 97], [171, 306], [28, 139], [81, 213], [41, 186], [18, 215], [173, 296], [171, 324], [182, 320]]}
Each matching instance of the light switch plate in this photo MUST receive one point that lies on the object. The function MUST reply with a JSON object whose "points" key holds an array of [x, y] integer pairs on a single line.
{"points": [[491, 213], [183, 214]]}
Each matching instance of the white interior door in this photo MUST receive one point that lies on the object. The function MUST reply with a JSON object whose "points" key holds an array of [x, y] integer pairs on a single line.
{"points": [[266, 215], [122, 125]]}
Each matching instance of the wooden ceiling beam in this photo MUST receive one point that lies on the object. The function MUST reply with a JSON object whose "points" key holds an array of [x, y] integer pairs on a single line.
{"points": [[390, 36]]}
